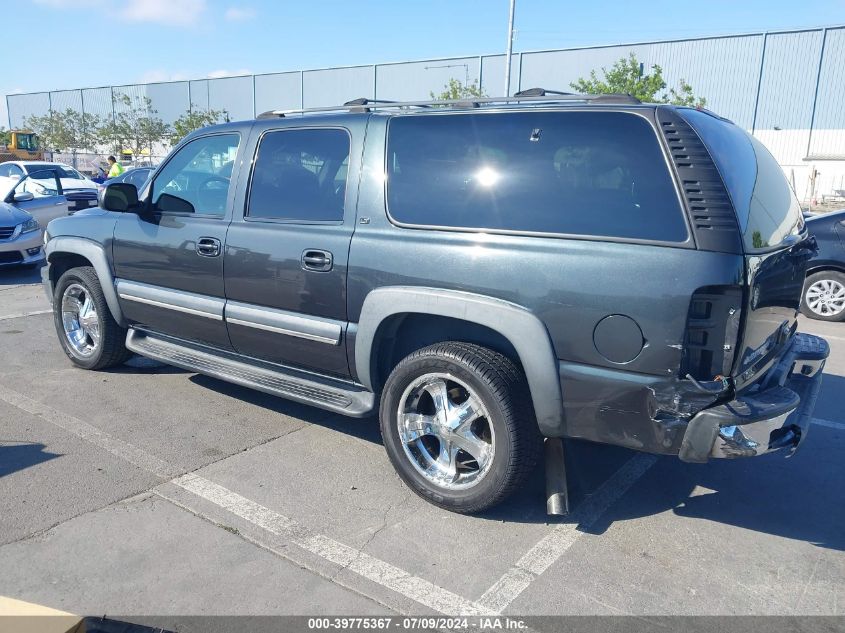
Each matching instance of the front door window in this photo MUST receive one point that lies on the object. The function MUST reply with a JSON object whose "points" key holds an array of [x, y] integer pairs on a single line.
{"points": [[196, 179]]}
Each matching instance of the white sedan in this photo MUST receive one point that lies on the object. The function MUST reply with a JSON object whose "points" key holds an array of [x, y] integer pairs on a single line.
{"points": [[79, 191]]}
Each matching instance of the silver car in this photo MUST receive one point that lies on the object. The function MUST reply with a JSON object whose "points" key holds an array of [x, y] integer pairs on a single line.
{"points": [[23, 218]]}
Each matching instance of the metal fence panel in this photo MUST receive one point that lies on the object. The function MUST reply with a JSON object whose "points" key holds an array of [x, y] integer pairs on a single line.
{"points": [[558, 69], [334, 86], [417, 81], [724, 71], [828, 139], [169, 100], [21, 107], [63, 100], [232, 94], [97, 101], [787, 91], [279, 91], [198, 94], [493, 74]]}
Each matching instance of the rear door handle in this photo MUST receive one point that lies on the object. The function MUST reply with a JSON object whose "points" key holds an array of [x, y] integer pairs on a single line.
{"points": [[317, 260], [208, 246]]}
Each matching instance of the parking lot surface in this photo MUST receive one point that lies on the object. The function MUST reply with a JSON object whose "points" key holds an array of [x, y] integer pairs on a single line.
{"points": [[150, 490]]}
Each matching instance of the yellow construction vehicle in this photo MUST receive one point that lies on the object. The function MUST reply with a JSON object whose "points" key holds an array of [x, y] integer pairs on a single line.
{"points": [[22, 145]]}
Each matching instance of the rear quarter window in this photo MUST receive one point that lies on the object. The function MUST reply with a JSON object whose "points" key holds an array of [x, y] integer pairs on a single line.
{"points": [[767, 208], [580, 173]]}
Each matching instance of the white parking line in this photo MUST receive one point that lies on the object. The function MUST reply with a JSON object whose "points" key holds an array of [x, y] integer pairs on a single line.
{"points": [[20, 315], [829, 423], [495, 600], [124, 450], [835, 338], [554, 545], [371, 568]]}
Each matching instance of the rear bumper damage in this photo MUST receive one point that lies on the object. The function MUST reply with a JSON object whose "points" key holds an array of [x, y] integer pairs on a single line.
{"points": [[771, 415]]}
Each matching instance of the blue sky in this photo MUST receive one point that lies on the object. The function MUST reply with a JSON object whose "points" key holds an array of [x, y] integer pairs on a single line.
{"points": [[102, 42]]}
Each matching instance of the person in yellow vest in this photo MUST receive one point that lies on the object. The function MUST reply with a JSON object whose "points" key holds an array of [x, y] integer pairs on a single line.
{"points": [[115, 168]]}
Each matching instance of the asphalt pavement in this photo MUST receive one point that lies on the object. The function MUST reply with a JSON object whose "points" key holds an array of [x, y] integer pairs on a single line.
{"points": [[147, 490]]}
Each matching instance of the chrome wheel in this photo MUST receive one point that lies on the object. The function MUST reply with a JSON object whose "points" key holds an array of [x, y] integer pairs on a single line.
{"points": [[826, 297], [80, 321], [445, 431]]}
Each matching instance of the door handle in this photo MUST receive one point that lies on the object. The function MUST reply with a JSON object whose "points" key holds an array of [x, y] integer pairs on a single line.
{"points": [[208, 246], [317, 260]]}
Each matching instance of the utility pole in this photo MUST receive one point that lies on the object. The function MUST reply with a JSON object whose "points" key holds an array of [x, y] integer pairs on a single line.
{"points": [[510, 50]]}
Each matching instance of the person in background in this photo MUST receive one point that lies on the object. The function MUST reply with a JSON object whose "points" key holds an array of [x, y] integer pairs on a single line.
{"points": [[115, 168]]}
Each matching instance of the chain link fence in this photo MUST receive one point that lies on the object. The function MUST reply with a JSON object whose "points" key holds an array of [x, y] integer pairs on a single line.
{"points": [[785, 87]]}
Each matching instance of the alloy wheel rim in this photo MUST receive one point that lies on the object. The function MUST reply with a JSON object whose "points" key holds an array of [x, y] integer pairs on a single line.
{"points": [[826, 297], [80, 320], [445, 431]]}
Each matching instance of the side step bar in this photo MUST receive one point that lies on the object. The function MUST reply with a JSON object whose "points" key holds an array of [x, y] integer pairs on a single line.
{"points": [[333, 395]]}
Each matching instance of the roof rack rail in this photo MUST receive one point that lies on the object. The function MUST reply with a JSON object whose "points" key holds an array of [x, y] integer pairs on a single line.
{"points": [[357, 105], [540, 92], [616, 98], [364, 104]]}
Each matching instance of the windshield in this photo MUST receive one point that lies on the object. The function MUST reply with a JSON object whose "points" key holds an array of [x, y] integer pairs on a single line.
{"points": [[28, 142], [62, 171]]}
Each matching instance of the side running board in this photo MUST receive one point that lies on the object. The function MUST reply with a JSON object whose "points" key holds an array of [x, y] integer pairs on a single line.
{"points": [[333, 395]]}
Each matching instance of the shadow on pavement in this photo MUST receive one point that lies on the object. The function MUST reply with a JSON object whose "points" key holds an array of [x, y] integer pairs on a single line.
{"points": [[797, 498], [18, 456], [17, 276]]}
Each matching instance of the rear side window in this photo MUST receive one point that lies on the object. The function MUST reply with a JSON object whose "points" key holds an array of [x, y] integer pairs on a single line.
{"points": [[300, 176], [582, 173], [766, 207]]}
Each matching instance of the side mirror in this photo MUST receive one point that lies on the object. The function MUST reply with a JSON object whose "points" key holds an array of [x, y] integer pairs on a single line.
{"points": [[121, 197], [24, 196], [15, 176]]}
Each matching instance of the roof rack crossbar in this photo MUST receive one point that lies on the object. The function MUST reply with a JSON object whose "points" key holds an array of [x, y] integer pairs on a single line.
{"points": [[364, 104]]}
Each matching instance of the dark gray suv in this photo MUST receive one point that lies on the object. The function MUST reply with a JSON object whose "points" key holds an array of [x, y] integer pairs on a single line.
{"points": [[483, 274]]}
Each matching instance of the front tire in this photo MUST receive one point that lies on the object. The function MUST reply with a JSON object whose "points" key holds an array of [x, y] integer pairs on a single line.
{"points": [[88, 333], [823, 297], [458, 426]]}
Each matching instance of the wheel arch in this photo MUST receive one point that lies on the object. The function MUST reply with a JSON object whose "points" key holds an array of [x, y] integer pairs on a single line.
{"points": [[64, 253], [820, 267], [509, 328]]}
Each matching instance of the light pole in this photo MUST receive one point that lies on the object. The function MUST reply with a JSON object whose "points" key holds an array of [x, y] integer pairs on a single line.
{"points": [[510, 49]]}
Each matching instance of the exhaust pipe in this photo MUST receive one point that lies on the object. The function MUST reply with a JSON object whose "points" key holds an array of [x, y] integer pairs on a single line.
{"points": [[557, 495]]}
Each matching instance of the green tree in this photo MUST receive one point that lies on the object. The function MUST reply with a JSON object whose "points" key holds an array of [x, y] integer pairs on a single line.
{"points": [[134, 126], [70, 131], [194, 119], [50, 129], [627, 77], [456, 90], [5, 136]]}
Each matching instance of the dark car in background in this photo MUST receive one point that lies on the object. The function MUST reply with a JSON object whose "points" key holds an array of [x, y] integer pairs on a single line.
{"points": [[824, 289], [136, 176]]}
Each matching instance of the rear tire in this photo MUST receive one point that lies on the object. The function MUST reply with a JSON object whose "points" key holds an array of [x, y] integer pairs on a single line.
{"points": [[87, 332], [823, 296], [458, 426]]}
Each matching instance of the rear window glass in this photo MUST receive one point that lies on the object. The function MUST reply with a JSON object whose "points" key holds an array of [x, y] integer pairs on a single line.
{"points": [[774, 212], [583, 173]]}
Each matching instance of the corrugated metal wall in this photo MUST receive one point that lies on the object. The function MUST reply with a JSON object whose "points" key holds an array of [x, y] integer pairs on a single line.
{"points": [[785, 87]]}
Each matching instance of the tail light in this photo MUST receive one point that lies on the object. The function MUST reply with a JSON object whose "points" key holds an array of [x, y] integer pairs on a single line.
{"points": [[712, 332]]}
